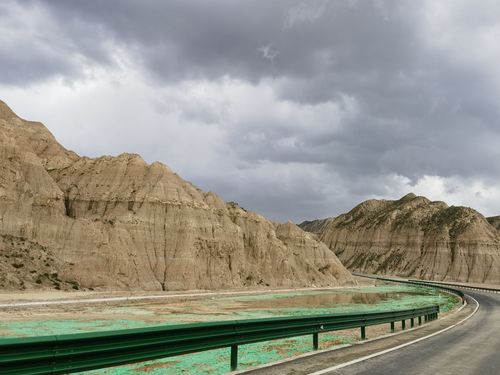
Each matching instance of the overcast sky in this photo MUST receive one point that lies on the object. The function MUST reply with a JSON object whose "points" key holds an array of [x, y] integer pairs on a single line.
{"points": [[294, 109]]}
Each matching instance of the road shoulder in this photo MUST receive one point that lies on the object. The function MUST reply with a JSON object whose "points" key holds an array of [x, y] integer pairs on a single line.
{"points": [[316, 362]]}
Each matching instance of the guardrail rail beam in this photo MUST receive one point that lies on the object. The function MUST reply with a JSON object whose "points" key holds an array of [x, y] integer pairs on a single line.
{"points": [[63, 354]]}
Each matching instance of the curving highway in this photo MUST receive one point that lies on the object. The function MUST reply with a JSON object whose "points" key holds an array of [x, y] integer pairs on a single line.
{"points": [[470, 348]]}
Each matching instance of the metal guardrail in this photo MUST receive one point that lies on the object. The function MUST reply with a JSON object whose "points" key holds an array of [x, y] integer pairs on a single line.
{"points": [[468, 287], [63, 354], [424, 283], [417, 282]]}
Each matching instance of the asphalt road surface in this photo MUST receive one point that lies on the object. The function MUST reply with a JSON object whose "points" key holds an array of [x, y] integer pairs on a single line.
{"points": [[470, 348]]}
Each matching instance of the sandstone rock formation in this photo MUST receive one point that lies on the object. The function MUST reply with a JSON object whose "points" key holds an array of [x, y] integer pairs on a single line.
{"points": [[414, 237], [117, 222]]}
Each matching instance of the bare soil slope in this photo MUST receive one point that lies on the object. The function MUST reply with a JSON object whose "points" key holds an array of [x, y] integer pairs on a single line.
{"points": [[417, 238], [119, 223]]}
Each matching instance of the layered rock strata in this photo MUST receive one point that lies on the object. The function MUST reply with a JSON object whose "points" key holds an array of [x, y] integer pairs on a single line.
{"points": [[414, 237], [119, 223]]}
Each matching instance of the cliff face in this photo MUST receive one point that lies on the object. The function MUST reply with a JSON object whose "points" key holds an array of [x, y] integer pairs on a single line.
{"points": [[415, 237], [117, 222]]}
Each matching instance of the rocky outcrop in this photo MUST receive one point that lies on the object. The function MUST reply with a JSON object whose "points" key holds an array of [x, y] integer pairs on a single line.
{"points": [[415, 237], [73, 222], [315, 226], [495, 221]]}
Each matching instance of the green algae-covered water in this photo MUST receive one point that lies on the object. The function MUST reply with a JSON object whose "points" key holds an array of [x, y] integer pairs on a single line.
{"points": [[75, 319]]}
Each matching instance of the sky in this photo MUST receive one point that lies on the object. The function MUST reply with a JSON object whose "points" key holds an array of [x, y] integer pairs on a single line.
{"points": [[295, 109]]}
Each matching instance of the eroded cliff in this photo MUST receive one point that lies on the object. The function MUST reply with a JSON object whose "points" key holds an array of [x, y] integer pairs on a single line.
{"points": [[119, 223], [415, 237]]}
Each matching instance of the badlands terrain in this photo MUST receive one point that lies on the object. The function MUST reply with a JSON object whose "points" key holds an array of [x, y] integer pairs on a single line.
{"points": [[70, 223], [117, 223], [414, 237]]}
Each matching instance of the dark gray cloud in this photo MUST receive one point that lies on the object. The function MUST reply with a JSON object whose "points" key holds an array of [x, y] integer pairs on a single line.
{"points": [[183, 39], [191, 39], [36, 45], [321, 103]]}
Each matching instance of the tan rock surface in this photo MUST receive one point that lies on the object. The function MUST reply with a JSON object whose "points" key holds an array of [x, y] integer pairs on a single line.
{"points": [[120, 223], [415, 237]]}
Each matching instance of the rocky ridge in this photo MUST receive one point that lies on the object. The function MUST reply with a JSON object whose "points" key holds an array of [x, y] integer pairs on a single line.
{"points": [[495, 221], [414, 237], [315, 226], [70, 222]]}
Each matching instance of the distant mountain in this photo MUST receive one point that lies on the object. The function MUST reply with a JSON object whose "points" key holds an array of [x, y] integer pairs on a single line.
{"points": [[414, 237], [315, 226], [70, 222], [495, 221]]}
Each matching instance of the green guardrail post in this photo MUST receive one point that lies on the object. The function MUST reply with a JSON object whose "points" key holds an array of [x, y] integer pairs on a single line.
{"points": [[234, 357], [426, 318], [403, 325], [315, 341], [412, 322], [392, 327], [363, 333], [55, 350], [419, 320]]}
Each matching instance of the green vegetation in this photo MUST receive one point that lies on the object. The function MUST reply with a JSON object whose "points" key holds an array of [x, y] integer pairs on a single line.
{"points": [[216, 362]]}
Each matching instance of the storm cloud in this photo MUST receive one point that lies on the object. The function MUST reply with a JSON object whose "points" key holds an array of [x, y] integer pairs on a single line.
{"points": [[295, 109]]}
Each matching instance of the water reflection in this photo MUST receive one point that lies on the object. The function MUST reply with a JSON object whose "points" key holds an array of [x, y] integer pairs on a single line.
{"points": [[322, 300]]}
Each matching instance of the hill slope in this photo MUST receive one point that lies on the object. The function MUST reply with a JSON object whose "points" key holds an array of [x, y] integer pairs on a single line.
{"points": [[417, 238], [117, 222], [495, 221]]}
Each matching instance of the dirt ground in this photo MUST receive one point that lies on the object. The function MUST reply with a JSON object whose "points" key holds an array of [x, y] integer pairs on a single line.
{"points": [[59, 295], [57, 313], [36, 314]]}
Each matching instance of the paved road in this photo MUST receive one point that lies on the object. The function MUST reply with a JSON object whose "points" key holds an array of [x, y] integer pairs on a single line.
{"points": [[471, 348]]}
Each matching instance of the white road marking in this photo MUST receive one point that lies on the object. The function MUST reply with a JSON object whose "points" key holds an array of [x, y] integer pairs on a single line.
{"points": [[342, 365]]}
